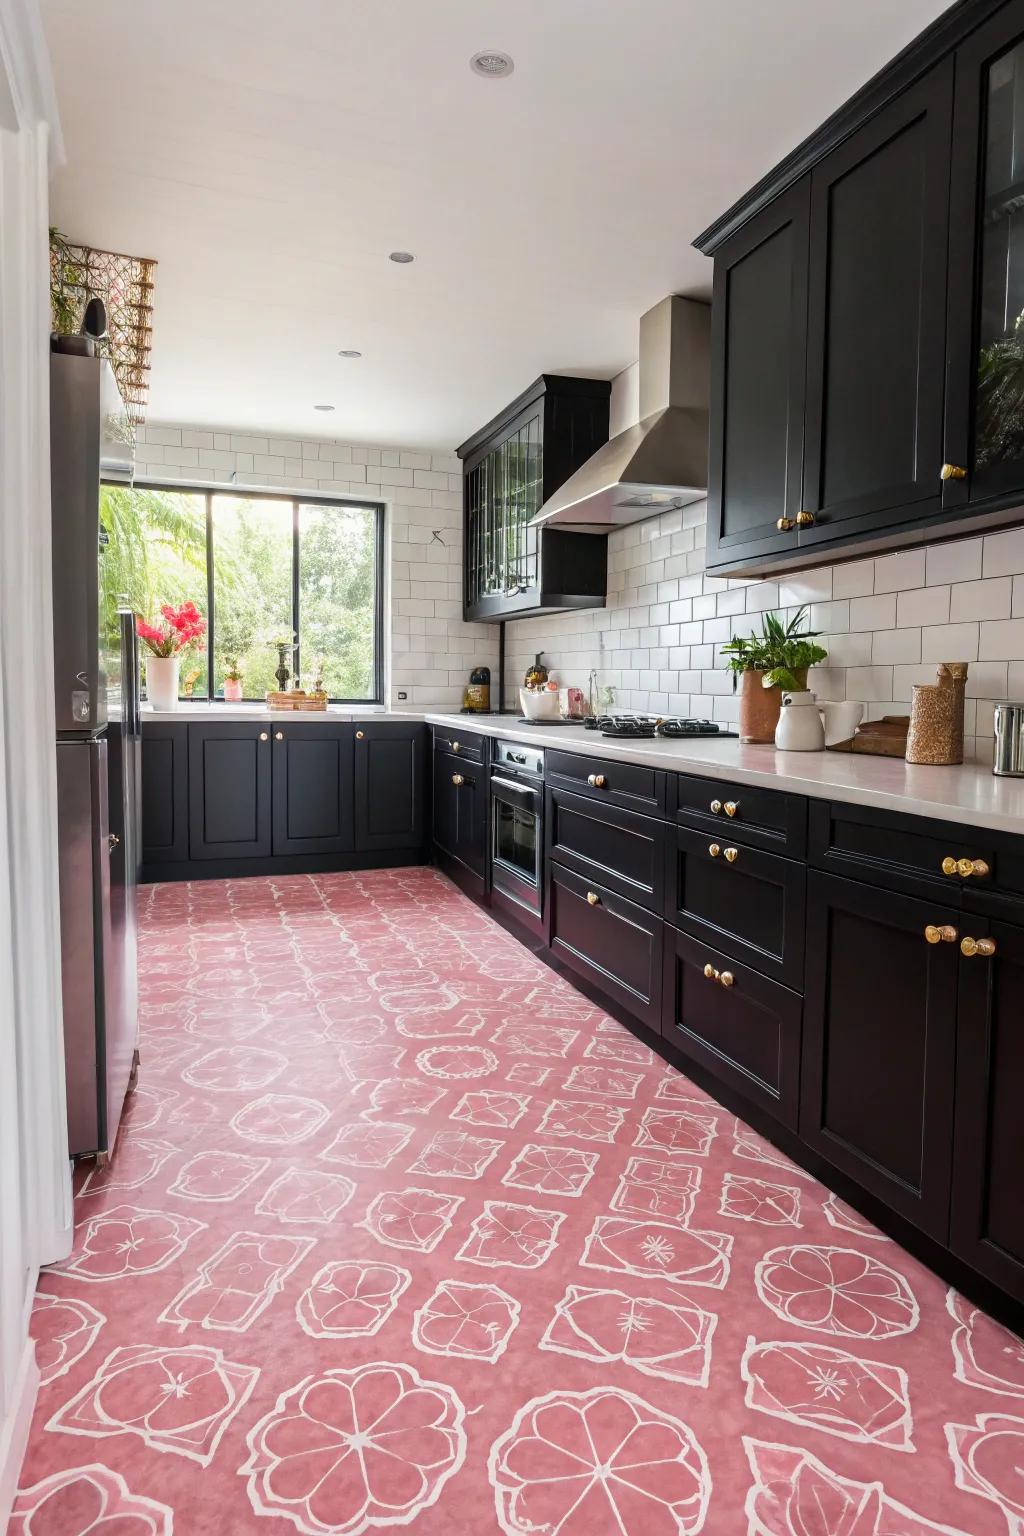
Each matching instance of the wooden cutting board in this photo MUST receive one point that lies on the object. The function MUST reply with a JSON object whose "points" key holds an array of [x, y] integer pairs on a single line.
{"points": [[878, 738]]}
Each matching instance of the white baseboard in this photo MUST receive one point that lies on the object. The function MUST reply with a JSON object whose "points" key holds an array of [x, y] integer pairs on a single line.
{"points": [[15, 1427]]}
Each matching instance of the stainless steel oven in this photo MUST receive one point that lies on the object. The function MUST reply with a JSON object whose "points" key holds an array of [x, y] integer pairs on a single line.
{"points": [[517, 824]]}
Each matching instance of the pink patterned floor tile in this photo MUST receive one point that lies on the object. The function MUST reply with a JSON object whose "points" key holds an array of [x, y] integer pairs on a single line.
{"points": [[402, 1231]]}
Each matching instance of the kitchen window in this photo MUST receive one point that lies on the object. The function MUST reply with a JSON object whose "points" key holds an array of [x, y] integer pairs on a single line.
{"points": [[259, 566]]}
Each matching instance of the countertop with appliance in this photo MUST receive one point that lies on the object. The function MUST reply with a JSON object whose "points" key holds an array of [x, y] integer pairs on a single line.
{"points": [[971, 794]]}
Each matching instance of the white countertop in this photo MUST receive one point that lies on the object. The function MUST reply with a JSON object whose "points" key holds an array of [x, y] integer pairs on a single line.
{"points": [[219, 710], [970, 794]]}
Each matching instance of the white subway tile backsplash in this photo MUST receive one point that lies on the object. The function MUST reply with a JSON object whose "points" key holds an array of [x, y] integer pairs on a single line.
{"points": [[981, 599], [926, 605], [895, 645], [873, 612], [1002, 639], [898, 573], [949, 642], [806, 587], [854, 580]]}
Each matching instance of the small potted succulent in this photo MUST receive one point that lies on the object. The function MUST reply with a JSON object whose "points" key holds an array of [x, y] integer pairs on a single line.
{"points": [[776, 659], [167, 641]]}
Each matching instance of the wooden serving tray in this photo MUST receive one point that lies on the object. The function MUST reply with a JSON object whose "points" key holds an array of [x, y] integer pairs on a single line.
{"points": [[285, 702], [878, 738]]}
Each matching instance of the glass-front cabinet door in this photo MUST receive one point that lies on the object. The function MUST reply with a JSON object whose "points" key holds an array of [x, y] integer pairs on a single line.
{"points": [[503, 494]]}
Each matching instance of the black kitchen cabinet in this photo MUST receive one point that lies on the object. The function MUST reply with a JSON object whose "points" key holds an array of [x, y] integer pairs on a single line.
{"points": [[313, 784], [600, 842], [460, 810], [987, 1224], [229, 773], [390, 785], [510, 468], [164, 793], [613, 943], [879, 1044]]}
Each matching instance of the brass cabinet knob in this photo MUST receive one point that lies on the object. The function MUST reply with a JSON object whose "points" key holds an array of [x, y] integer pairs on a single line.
{"points": [[732, 854], [727, 979], [360, 735], [279, 735], [784, 524], [805, 519], [458, 780], [968, 867], [596, 780], [952, 472], [716, 807], [714, 849], [949, 866], [710, 972], [945, 934], [264, 736], [593, 898], [969, 947], [455, 746], [732, 807]]}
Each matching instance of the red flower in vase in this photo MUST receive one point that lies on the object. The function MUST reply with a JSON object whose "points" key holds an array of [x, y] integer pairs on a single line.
{"points": [[181, 627]]}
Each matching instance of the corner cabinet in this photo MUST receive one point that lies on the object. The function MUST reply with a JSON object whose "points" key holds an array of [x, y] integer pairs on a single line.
{"points": [[868, 325], [510, 468]]}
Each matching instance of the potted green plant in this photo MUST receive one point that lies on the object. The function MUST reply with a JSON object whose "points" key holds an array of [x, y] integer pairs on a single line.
{"points": [[778, 658]]}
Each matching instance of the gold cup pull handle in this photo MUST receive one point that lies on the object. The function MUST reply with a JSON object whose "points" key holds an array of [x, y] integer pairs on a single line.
{"points": [[732, 854], [455, 746], [805, 519], [360, 735], [710, 972], [784, 524], [264, 736], [714, 849], [716, 807], [279, 735], [596, 780], [952, 472], [732, 808], [727, 979]]}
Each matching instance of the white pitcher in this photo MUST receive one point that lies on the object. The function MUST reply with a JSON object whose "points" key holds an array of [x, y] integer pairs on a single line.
{"points": [[841, 720], [799, 728]]}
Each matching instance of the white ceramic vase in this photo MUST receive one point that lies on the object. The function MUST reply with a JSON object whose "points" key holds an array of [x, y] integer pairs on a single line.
{"points": [[799, 728], [162, 681]]}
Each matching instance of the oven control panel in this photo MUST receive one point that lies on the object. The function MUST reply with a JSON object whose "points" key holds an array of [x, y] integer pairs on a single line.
{"points": [[513, 755]]}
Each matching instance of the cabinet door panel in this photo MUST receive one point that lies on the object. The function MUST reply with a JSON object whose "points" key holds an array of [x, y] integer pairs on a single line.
{"points": [[229, 791], [625, 851], [164, 793], [987, 1226], [615, 944], [879, 1044], [390, 780], [876, 320], [313, 788], [471, 817]]}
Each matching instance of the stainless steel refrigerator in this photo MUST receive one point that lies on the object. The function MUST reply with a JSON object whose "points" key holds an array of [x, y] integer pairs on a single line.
{"points": [[96, 683]]}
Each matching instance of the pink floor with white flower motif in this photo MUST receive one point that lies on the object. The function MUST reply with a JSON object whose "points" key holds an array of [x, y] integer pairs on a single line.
{"points": [[404, 1231]]}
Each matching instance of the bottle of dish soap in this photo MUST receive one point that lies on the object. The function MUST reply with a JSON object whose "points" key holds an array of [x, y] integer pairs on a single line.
{"points": [[537, 675]]}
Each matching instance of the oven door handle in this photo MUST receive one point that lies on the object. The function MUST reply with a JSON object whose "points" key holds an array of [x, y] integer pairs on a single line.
{"points": [[526, 790]]}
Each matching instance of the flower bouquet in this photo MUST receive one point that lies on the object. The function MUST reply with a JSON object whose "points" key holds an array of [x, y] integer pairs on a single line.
{"points": [[179, 631]]}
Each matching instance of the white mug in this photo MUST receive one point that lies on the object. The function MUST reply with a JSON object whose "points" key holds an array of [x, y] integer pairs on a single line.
{"points": [[841, 720]]}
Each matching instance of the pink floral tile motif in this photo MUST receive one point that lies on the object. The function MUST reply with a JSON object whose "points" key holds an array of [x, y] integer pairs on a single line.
{"points": [[582, 1118], [346, 1451], [492, 1106], [370, 1063], [235, 1069], [456, 1062], [64, 1329], [279, 1119], [593, 1463], [608, 1081], [354, 1029], [621, 1047], [367, 1144], [87, 1501], [677, 1130], [665, 1190], [402, 1000], [793, 1493], [466, 1321], [985, 1354], [176, 1399], [416, 1219], [836, 1290], [839, 1214], [535, 1039], [745, 1198], [350, 1299], [551, 1170], [677, 1090], [404, 1096], [443, 1024], [138, 1160], [821, 1387], [748, 1144], [516, 1236], [666, 1338], [987, 1459], [306, 1194], [125, 1241], [217, 1176], [527, 1073], [658, 1250], [456, 1155], [235, 1284], [143, 1108]]}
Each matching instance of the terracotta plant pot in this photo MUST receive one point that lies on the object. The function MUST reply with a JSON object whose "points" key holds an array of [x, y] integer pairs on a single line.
{"points": [[760, 707]]}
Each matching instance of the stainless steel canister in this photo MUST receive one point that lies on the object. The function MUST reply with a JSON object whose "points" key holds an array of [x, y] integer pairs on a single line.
{"points": [[1009, 758]]}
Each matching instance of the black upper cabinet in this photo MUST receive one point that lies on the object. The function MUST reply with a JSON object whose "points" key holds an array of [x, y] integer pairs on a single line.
{"points": [[390, 780], [312, 787], [229, 791], [511, 466]]}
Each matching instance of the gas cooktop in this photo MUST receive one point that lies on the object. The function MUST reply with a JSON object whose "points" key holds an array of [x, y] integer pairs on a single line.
{"points": [[639, 726]]}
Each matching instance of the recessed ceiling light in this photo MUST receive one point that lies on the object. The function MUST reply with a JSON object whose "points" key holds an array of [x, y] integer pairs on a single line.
{"points": [[403, 258], [492, 64], [349, 352], [323, 407]]}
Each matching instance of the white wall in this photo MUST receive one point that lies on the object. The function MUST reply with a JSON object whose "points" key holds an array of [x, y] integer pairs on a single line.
{"points": [[886, 622], [35, 1185], [430, 651]]}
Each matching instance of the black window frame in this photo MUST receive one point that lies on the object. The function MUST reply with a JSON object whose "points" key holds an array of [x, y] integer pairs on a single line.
{"points": [[244, 493]]}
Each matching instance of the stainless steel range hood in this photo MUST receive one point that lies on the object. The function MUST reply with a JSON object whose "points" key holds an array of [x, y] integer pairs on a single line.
{"points": [[662, 462]]}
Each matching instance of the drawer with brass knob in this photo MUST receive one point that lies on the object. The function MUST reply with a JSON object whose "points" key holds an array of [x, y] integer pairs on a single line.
{"points": [[458, 780], [943, 933], [952, 472], [607, 939], [765, 818], [971, 947], [614, 782], [919, 856], [471, 747], [785, 524], [806, 519], [965, 868]]}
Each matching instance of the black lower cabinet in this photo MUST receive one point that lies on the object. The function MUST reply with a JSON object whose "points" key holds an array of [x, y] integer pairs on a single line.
{"points": [[229, 769], [164, 794], [738, 1025], [460, 810], [608, 940], [987, 1224], [879, 1045], [313, 775], [600, 842], [390, 785]]}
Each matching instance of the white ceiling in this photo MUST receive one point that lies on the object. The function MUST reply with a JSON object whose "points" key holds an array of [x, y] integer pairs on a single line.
{"points": [[270, 153]]}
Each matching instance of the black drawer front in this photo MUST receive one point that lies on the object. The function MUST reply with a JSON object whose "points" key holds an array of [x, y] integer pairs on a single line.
{"points": [[902, 853], [601, 842], [762, 818], [612, 942], [471, 744], [744, 900], [744, 1030], [625, 784], [1001, 896]]}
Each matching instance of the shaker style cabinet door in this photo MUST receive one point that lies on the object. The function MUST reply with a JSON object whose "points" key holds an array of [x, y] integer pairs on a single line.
{"points": [[312, 787], [758, 331], [879, 1044], [164, 793], [876, 319], [390, 784], [229, 791]]}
